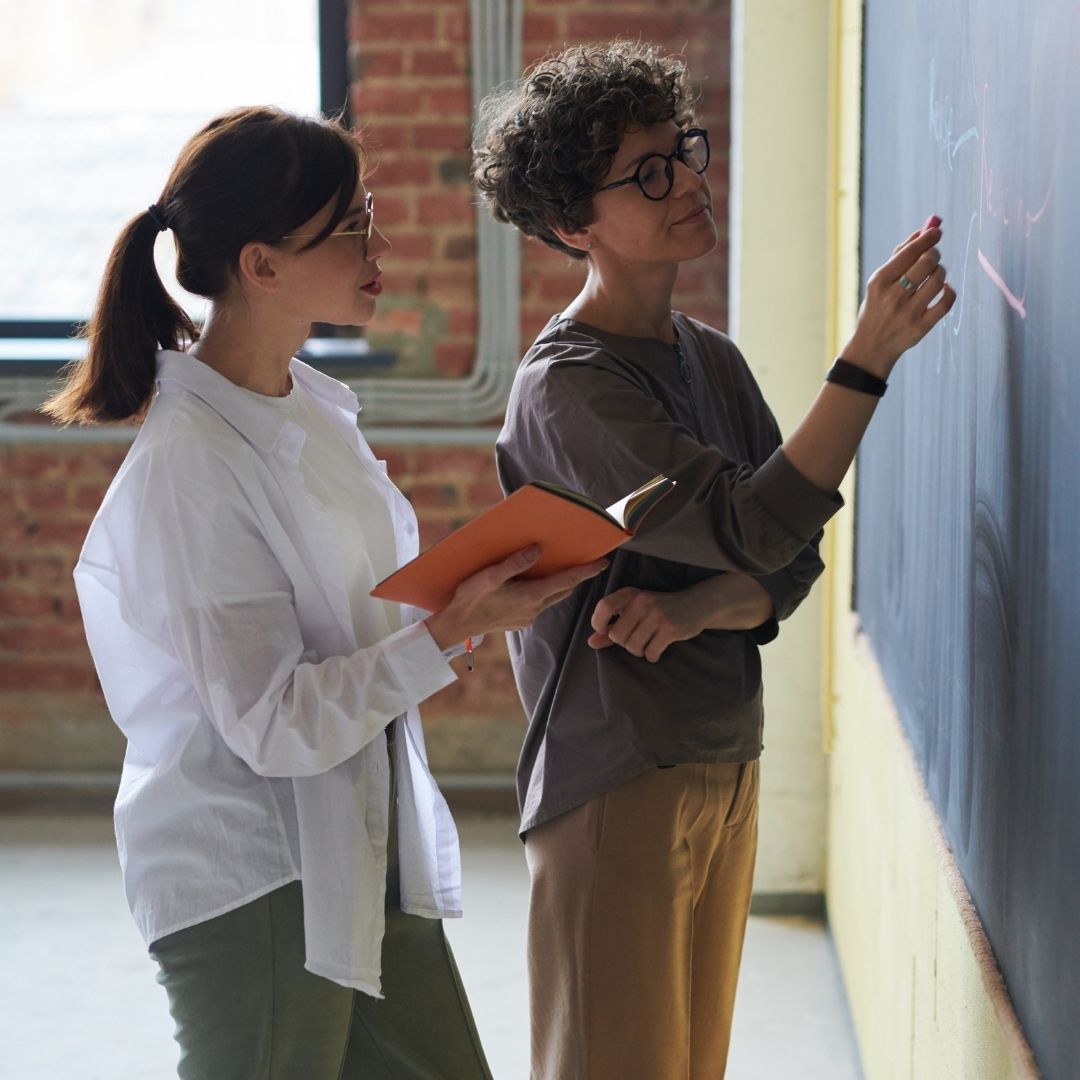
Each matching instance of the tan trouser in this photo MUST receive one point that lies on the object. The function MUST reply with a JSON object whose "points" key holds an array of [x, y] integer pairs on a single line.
{"points": [[636, 923]]}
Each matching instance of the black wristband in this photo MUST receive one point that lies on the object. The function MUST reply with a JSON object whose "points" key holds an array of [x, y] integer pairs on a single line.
{"points": [[856, 378]]}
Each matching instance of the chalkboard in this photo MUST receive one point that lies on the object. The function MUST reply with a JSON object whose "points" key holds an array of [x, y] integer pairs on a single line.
{"points": [[967, 574]]}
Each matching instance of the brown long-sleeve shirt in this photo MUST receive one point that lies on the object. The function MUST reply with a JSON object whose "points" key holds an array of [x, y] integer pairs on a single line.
{"points": [[602, 413]]}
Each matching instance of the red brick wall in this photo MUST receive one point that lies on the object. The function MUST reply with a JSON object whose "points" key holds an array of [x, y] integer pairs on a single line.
{"points": [[412, 93], [51, 715], [413, 102]]}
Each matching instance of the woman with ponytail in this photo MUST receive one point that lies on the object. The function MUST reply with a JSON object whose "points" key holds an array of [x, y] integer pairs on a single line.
{"points": [[286, 853]]}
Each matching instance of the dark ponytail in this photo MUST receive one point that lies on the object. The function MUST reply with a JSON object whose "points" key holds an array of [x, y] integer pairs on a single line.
{"points": [[254, 174], [133, 318]]}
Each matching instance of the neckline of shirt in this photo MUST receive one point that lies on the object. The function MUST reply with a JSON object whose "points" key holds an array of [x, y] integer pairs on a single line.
{"points": [[283, 403], [678, 321]]}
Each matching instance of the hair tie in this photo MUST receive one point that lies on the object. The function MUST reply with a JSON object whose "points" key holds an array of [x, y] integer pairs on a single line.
{"points": [[158, 216]]}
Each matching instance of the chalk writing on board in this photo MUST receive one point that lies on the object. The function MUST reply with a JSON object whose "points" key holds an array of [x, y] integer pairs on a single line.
{"points": [[941, 120], [1014, 301], [997, 201], [957, 314]]}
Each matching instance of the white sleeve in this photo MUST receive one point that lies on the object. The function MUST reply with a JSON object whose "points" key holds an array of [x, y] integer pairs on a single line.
{"points": [[230, 619], [282, 713]]}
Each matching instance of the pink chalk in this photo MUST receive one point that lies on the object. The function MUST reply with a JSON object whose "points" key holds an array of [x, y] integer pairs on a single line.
{"points": [[932, 222]]}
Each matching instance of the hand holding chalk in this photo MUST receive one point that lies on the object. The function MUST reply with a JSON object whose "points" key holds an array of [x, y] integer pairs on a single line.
{"points": [[932, 222], [904, 300], [899, 308]]}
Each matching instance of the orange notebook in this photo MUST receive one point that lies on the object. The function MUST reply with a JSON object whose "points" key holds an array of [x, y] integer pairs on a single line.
{"points": [[570, 529]]}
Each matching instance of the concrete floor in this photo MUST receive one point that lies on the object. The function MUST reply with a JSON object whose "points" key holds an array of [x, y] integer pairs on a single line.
{"points": [[78, 999]]}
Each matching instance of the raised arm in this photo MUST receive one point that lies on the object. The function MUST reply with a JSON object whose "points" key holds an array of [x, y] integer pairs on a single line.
{"points": [[897, 312]]}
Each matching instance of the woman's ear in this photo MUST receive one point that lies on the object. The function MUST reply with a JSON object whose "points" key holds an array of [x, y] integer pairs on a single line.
{"points": [[257, 266], [579, 239]]}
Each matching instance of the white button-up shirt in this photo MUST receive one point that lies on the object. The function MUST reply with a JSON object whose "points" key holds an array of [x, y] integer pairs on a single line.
{"points": [[213, 588]]}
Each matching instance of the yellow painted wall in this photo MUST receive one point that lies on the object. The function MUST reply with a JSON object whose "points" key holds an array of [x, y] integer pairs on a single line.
{"points": [[924, 998], [909, 947], [778, 284]]}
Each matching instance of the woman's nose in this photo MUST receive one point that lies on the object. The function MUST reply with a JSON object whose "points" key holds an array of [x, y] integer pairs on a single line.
{"points": [[685, 179]]}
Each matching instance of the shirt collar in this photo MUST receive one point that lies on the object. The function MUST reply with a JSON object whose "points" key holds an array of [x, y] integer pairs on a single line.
{"points": [[324, 387], [268, 430]]}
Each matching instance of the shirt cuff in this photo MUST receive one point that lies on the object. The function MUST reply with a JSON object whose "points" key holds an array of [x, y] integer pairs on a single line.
{"points": [[780, 585], [799, 506], [416, 661], [768, 631]]}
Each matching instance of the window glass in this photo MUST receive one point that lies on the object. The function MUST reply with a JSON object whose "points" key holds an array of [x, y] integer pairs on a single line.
{"points": [[96, 99]]}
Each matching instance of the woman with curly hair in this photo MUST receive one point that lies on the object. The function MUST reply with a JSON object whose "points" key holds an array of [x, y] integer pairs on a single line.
{"points": [[638, 779]]}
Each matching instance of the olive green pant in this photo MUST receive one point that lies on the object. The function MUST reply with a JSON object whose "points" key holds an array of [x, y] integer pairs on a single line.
{"points": [[245, 1008]]}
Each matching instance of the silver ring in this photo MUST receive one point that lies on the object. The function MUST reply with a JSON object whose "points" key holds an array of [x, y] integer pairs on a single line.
{"points": [[907, 283]]}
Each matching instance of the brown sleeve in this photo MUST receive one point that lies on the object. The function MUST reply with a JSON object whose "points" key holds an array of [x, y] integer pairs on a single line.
{"points": [[577, 419], [789, 586]]}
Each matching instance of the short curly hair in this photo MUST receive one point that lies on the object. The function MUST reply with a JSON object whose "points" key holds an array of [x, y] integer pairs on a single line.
{"points": [[544, 145]]}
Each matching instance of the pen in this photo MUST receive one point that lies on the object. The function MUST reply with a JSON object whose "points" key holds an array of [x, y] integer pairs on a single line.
{"points": [[468, 652]]}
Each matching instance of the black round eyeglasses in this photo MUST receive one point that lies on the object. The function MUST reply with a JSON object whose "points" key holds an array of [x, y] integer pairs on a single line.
{"points": [[655, 174]]}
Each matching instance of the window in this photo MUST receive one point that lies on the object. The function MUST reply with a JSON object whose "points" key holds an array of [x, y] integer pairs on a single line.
{"points": [[96, 99]]}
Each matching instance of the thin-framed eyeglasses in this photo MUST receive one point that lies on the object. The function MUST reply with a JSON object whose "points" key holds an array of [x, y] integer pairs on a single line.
{"points": [[655, 174], [360, 230]]}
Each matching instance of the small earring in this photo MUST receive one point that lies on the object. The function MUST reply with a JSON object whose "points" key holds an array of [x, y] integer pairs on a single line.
{"points": [[590, 245]]}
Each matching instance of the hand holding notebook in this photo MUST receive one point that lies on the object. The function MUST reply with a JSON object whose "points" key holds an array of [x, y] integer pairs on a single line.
{"points": [[570, 529]]}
